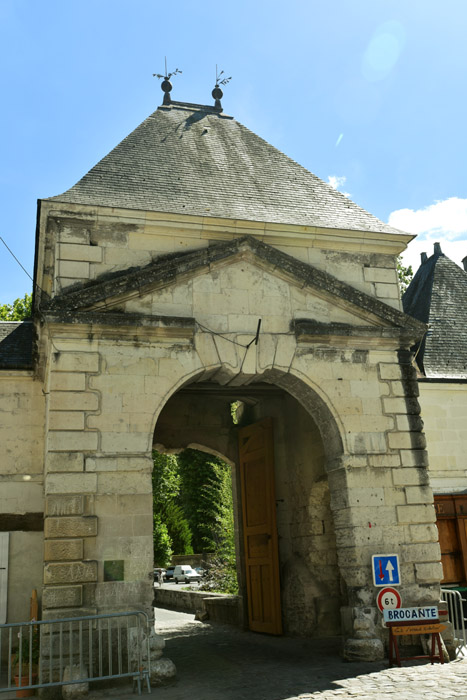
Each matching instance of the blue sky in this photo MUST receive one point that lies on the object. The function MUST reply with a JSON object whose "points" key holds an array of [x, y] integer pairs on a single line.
{"points": [[367, 94]]}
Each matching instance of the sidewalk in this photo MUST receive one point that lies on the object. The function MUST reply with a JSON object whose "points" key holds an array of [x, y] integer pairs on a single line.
{"points": [[223, 663]]}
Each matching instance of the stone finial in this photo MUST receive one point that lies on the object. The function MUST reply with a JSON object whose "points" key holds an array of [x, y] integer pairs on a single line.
{"points": [[217, 92], [437, 249], [166, 85], [423, 257], [464, 262]]}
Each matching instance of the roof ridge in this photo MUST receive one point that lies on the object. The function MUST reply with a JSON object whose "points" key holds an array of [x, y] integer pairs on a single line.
{"points": [[193, 106]]}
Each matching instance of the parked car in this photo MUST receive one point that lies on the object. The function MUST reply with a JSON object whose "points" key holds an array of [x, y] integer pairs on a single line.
{"points": [[199, 570], [169, 573], [185, 573]]}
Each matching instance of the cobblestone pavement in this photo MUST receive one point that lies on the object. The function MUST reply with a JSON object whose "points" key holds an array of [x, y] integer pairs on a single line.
{"points": [[215, 662]]}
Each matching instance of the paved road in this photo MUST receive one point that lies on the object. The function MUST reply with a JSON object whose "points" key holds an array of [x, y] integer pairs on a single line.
{"points": [[171, 585], [215, 662]]}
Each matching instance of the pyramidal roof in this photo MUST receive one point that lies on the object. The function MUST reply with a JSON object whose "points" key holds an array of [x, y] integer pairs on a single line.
{"points": [[192, 159], [437, 295]]}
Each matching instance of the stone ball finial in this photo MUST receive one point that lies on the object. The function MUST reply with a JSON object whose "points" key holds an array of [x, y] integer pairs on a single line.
{"points": [[218, 95], [166, 87]]}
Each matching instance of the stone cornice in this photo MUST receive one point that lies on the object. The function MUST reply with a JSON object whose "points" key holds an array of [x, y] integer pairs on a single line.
{"points": [[345, 334], [213, 228], [119, 325]]}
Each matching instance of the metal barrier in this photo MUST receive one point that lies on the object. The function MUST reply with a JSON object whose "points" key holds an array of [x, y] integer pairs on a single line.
{"points": [[45, 653], [454, 600]]}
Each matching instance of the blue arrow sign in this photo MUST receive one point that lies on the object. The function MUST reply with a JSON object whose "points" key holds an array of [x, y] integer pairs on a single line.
{"points": [[386, 569]]}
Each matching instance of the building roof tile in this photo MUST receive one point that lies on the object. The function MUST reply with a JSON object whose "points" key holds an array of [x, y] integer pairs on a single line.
{"points": [[191, 159], [16, 344], [437, 295]]}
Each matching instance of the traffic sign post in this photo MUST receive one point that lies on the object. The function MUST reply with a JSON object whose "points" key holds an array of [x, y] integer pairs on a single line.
{"points": [[385, 569], [388, 599]]}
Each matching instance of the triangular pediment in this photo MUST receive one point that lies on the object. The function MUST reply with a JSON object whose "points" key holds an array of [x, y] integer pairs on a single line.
{"points": [[230, 282]]}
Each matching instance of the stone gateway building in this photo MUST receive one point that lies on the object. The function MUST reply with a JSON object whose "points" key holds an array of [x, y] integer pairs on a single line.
{"points": [[195, 266]]}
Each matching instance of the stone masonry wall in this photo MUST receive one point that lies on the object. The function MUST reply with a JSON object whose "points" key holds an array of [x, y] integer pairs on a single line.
{"points": [[22, 418], [379, 493], [444, 412]]}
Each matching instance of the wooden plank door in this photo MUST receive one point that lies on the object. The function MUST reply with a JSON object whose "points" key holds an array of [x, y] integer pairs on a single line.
{"points": [[451, 552], [451, 519], [259, 527]]}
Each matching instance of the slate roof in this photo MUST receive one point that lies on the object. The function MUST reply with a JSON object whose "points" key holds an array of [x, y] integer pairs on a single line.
{"points": [[191, 159], [437, 295], [16, 344]]}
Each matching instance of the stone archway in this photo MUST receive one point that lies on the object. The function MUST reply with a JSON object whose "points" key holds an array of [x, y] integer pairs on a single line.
{"points": [[198, 416], [98, 481]]}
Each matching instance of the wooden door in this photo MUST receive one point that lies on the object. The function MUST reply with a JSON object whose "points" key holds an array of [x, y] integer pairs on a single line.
{"points": [[451, 519], [259, 527], [451, 552]]}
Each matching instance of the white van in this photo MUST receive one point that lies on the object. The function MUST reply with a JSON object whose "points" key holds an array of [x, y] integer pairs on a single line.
{"points": [[185, 573]]}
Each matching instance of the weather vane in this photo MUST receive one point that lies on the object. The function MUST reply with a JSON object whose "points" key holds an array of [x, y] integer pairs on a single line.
{"points": [[217, 92], [166, 85]]}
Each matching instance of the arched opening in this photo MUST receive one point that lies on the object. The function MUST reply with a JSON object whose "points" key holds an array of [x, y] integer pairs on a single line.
{"points": [[305, 444]]}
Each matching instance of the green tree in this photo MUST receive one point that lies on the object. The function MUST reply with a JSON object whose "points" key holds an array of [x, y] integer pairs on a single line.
{"points": [[165, 479], [405, 275], [171, 521], [18, 311], [162, 543], [222, 574], [178, 528], [201, 489], [193, 508]]}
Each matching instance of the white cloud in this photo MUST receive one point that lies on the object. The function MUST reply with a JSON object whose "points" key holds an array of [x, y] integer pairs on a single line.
{"points": [[447, 219], [337, 181], [444, 221]]}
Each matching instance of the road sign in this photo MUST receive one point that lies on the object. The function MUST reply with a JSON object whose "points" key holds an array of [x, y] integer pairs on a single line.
{"points": [[386, 570], [411, 614], [388, 598]]}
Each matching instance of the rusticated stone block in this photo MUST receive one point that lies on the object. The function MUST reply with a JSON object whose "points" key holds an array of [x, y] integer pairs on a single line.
{"points": [[70, 483], [57, 550], [414, 458], [64, 505], [74, 572], [407, 441], [389, 371], [71, 527], [414, 514], [72, 440], [62, 596], [77, 362], [65, 461], [418, 494], [429, 573], [421, 553]]}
